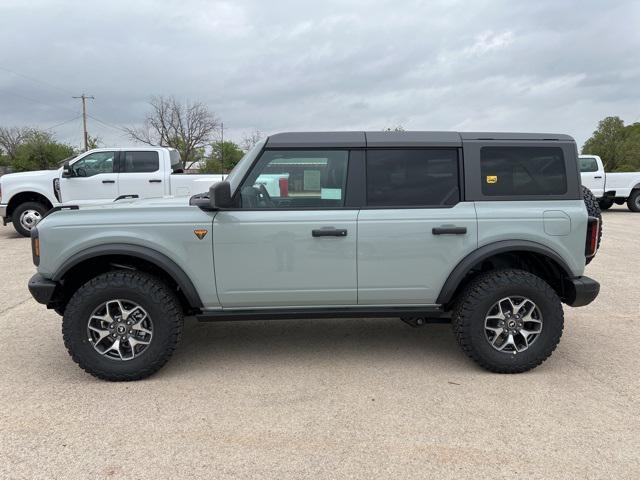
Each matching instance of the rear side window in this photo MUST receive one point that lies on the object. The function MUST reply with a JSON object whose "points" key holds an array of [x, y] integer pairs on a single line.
{"points": [[526, 171], [412, 178], [140, 162], [588, 164]]}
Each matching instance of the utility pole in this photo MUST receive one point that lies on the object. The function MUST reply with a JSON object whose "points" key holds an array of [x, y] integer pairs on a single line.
{"points": [[84, 119], [222, 148]]}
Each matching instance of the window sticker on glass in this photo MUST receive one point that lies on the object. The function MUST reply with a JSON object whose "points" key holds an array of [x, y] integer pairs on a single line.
{"points": [[331, 194], [312, 180], [492, 179]]}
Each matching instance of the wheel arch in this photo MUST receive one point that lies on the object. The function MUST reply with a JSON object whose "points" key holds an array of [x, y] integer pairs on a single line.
{"points": [[96, 260], [29, 196], [530, 256]]}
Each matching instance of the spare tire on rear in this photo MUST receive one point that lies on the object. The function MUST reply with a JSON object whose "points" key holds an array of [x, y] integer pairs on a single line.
{"points": [[593, 209]]}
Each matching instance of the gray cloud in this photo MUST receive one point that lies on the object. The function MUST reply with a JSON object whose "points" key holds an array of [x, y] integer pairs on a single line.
{"points": [[482, 65]]}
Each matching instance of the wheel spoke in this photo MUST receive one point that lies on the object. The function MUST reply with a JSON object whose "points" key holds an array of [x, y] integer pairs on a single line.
{"points": [[102, 333], [128, 338], [507, 342], [115, 346]]}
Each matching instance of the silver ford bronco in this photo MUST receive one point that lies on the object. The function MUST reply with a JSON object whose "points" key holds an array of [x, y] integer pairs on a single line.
{"points": [[488, 231]]}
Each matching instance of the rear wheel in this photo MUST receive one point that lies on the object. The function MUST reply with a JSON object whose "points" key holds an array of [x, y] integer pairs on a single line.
{"points": [[122, 325], [633, 202], [508, 321], [26, 216]]}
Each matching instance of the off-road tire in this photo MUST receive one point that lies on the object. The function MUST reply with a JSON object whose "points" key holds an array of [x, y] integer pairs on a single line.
{"points": [[477, 299], [147, 291], [633, 202], [605, 203], [20, 209], [593, 209]]}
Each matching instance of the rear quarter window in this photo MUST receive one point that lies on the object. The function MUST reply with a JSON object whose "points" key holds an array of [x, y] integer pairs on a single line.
{"points": [[522, 171]]}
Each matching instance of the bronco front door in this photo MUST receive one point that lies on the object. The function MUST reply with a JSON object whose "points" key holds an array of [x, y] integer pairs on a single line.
{"points": [[291, 241]]}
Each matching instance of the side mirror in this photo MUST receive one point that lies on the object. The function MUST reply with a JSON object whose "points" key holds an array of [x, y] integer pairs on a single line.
{"points": [[220, 195], [66, 170]]}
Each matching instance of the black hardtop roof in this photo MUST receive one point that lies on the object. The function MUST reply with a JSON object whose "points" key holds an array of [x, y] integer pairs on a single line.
{"points": [[398, 139]]}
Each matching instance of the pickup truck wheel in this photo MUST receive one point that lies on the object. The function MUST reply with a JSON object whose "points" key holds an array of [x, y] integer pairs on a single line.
{"points": [[605, 203], [508, 321], [122, 325], [26, 216], [633, 202], [593, 209]]}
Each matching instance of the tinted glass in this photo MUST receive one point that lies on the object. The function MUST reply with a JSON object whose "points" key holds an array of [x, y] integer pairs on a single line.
{"points": [[93, 164], [140, 162], [588, 164], [513, 171], [297, 179], [412, 177]]}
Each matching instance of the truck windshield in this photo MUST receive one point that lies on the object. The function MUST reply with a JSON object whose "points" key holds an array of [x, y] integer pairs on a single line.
{"points": [[237, 174]]}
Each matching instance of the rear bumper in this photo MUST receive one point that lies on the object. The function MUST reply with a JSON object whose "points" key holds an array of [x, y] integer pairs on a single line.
{"points": [[580, 291], [42, 289]]}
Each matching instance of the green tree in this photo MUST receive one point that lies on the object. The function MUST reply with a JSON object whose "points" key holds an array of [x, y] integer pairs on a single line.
{"points": [[223, 157], [40, 151], [606, 142]]}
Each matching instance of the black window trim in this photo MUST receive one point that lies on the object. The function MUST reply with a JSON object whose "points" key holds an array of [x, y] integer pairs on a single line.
{"points": [[349, 179], [461, 198], [472, 179], [119, 160]]}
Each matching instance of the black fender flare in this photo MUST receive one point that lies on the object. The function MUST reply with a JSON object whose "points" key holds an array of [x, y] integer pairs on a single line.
{"points": [[144, 253], [458, 274]]}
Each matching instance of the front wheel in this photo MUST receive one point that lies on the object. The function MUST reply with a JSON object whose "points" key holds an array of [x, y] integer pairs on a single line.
{"points": [[26, 216], [122, 325], [508, 321]]}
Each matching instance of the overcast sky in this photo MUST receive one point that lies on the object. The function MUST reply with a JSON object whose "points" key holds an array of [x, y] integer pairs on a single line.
{"points": [[553, 66]]}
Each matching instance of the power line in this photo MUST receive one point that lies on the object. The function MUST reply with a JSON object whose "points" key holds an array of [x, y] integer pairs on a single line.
{"points": [[42, 82], [63, 123], [40, 102], [124, 130]]}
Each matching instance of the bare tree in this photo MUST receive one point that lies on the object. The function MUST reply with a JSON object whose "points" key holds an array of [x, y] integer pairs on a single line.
{"points": [[11, 138], [188, 127], [250, 139]]}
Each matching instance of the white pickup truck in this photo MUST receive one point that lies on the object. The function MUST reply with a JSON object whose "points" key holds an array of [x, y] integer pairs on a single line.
{"points": [[97, 176], [610, 188]]}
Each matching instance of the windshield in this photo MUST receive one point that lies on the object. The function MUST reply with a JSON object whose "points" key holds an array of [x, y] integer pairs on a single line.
{"points": [[236, 175]]}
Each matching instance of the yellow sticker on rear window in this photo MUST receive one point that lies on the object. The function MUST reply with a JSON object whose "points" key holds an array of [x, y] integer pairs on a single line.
{"points": [[492, 179]]}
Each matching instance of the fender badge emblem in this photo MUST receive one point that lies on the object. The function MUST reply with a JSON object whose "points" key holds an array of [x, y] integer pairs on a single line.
{"points": [[200, 233]]}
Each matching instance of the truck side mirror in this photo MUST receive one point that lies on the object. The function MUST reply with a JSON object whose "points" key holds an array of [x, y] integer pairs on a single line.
{"points": [[220, 195], [66, 170]]}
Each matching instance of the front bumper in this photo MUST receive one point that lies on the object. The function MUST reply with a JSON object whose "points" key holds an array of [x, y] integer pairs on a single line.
{"points": [[580, 291], [42, 289], [3, 214]]}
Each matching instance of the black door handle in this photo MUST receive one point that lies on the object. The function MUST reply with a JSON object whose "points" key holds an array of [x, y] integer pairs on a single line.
{"points": [[449, 230], [155, 180], [108, 181], [597, 176], [329, 232]]}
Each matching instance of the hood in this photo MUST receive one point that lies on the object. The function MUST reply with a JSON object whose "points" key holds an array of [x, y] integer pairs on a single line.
{"points": [[160, 202], [21, 176]]}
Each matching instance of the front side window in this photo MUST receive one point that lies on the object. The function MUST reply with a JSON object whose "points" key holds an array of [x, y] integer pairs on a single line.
{"points": [[412, 178], [93, 164], [522, 171], [588, 164], [140, 162], [297, 179]]}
